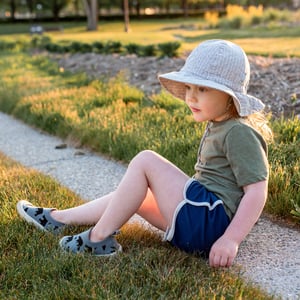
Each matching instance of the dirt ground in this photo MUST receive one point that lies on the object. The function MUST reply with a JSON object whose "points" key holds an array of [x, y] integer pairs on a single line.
{"points": [[276, 81]]}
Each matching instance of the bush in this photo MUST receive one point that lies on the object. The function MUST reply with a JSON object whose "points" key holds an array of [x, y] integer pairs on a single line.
{"points": [[169, 49], [75, 47], [44, 42], [149, 50], [132, 48], [40, 41], [7, 45], [98, 47], [112, 47], [211, 18], [51, 47], [238, 17], [85, 48], [256, 20], [272, 14]]}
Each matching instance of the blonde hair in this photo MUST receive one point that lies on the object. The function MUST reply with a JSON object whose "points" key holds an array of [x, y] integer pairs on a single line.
{"points": [[258, 121]]}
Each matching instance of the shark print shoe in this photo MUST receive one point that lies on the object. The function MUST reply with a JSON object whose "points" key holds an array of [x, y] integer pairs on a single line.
{"points": [[39, 217], [81, 243]]}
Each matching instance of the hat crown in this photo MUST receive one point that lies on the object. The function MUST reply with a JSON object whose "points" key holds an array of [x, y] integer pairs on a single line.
{"points": [[222, 62], [220, 65]]}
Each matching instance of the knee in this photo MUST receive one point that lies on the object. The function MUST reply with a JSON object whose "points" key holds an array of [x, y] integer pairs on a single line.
{"points": [[143, 157]]}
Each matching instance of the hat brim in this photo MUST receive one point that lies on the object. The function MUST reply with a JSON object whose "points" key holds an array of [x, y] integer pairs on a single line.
{"points": [[174, 83]]}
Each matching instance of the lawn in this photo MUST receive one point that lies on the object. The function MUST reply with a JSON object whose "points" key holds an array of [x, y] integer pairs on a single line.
{"points": [[275, 41], [33, 267]]}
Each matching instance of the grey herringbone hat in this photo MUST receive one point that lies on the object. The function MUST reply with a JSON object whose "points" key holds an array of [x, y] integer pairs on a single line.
{"points": [[218, 64]]}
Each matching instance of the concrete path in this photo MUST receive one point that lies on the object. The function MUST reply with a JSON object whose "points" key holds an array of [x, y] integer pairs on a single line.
{"points": [[270, 256]]}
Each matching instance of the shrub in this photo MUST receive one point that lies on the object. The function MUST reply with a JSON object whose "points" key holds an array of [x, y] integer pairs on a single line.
{"points": [[112, 47], [212, 18], [169, 49], [85, 48], [51, 47], [40, 41], [132, 48], [98, 47], [237, 16], [7, 45], [272, 14], [148, 50], [75, 47]]}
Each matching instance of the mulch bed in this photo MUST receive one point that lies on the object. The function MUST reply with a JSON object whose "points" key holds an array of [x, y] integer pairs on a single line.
{"points": [[276, 81]]}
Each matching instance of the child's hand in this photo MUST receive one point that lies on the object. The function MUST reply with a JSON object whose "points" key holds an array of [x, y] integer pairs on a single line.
{"points": [[223, 252]]}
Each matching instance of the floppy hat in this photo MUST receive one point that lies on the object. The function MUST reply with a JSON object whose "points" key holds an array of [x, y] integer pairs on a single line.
{"points": [[217, 64]]}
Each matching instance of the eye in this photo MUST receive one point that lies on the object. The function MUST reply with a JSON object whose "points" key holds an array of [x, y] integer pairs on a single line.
{"points": [[202, 89]]}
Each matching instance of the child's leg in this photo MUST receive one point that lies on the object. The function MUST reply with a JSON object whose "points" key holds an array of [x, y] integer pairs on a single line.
{"points": [[149, 211], [151, 187], [88, 213], [147, 170]]}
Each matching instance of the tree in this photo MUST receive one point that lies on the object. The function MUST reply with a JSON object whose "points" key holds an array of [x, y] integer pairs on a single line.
{"points": [[184, 5], [91, 9], [55, 6], [30, 5], [126, 15], [12, 4]]}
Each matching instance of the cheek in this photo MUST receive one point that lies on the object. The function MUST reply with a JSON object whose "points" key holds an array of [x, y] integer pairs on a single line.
{"points": [[214, 107]]}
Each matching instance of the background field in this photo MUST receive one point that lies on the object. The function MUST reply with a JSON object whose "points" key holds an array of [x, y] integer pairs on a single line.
{"points": [[278, 40]]}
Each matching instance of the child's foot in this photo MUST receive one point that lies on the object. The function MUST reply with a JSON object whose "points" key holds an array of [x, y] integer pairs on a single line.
{"points": [[39, 217], [81, 243]]}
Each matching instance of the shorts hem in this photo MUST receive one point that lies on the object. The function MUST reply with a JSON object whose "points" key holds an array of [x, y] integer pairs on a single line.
{"points": [[170, 231]]}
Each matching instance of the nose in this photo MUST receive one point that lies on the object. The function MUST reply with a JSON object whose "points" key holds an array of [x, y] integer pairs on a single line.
{"points": [[191, 95]]}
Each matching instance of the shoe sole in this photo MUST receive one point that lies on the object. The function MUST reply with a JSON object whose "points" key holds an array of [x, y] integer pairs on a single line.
{"points": [[26, 217]]}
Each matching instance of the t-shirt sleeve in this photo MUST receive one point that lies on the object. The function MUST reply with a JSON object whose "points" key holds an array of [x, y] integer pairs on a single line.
{"points": [[246, 152]]}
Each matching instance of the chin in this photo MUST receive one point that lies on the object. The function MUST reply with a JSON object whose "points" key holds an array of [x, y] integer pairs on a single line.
{"points": [[200, 118]]}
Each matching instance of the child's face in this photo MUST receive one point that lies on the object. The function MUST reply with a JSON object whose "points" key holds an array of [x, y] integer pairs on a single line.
{"points": [[206, 104]]}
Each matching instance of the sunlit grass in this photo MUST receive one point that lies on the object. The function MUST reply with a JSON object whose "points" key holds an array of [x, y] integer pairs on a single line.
{"points": [[33, 266], [113, 118], [138, 37], [289, 47], [274, 40]]}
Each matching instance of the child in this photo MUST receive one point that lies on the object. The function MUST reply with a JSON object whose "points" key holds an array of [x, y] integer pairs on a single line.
{"points": [[213, 211]]}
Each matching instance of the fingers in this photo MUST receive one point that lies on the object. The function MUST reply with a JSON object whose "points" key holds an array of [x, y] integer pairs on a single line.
{"points": [[217, 261]]}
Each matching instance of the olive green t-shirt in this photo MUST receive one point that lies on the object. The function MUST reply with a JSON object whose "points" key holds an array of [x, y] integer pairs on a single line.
{"points": [[231, 155]]}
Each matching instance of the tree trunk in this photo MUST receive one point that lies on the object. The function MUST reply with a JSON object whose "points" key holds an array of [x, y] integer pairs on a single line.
{"points": [[91, 9], [137, 7], [55, 10], [184, 4], [126, 15], [12, 9]]}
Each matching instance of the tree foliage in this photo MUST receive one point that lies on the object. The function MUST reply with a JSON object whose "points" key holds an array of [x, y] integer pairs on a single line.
{"points": [[92, 7]]}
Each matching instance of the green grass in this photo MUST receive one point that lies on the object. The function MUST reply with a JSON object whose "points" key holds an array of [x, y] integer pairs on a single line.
{"points": [[33, 267], [119, 120], [276, 40]]}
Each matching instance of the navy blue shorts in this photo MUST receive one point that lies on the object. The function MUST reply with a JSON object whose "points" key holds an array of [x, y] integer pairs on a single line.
{"points": [[199, 220]]}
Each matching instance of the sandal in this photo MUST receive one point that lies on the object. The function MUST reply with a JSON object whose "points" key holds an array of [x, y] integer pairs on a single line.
{"points": [[81, 243], [39, 217]]}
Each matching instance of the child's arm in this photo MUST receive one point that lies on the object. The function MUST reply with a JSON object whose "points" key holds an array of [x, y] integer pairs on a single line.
{"points": [[225, 249]]}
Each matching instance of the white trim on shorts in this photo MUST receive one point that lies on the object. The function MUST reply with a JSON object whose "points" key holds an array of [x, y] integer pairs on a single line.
{"points": [[168, 236]]}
